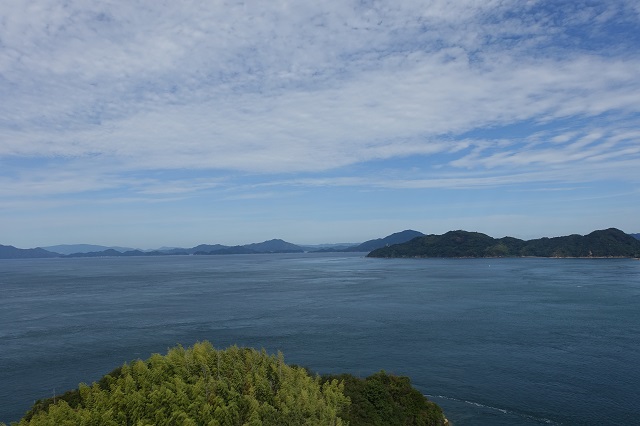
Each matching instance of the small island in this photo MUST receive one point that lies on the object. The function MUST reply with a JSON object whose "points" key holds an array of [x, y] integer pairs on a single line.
{"points": [[607, 243], [236, 386]]}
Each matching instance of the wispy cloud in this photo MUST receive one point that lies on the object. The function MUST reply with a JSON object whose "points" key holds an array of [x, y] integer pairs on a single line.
{"points": [[480, 94]]}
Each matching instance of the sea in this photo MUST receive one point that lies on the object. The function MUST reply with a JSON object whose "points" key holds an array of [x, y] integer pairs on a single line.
{"points": [[525, 341]]}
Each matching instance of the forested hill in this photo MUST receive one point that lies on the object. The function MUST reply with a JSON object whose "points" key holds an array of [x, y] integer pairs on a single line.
{"points": [[11, 252], [236, 386], [603, 243]]}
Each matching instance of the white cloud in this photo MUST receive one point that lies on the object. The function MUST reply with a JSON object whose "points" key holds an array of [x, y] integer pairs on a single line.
{"points": [[274, 87]]}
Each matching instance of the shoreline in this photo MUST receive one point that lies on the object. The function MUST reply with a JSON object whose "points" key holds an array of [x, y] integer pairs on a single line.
{"points": [[505, 257]]}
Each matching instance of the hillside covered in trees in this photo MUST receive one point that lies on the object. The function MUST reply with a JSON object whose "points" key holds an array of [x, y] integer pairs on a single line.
{"points": [[236, 386], [604, 243], [386, 400]]}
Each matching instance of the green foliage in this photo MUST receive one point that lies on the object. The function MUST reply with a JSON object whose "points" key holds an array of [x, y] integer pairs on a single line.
{"points": [[385, 400], [605, 243], [199, 386]]}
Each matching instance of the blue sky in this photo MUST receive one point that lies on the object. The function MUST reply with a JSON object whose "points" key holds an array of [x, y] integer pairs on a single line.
{"points": [[150, 123]]}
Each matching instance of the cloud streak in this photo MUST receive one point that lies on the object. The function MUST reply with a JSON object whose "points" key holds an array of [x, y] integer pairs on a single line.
{"points": [[120, 99]]}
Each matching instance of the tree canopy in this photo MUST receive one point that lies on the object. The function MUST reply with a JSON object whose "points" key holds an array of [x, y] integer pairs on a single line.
{"points": [[236, 386], [386, 400], [199, 386]]}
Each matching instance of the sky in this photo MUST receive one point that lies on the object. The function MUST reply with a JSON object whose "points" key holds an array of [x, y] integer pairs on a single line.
{"points": [[161, 123]]}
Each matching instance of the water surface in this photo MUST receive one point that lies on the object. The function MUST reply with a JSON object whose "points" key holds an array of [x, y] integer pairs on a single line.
{"points": [[493, 341]]}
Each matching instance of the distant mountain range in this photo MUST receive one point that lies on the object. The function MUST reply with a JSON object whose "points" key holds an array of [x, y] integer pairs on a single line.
{"points": [[10, 252], [607, 243], [82, 248], [603, 243], [271, 246], [90, 250]]}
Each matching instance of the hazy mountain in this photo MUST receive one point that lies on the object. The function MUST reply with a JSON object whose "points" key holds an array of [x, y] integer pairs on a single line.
{"points": [[101, 253], [327, 247], [174, 251], [636, 236], [271, 246], [204, 248], [274, 246], [11, 252], [82, 248], [116, 253], [143, 253], [228, 250], [396, 238], [201, 248], [603, 243]]}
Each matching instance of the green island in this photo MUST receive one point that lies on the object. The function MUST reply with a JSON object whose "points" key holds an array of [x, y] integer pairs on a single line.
{"points": [[607, 243], [236, 386]]}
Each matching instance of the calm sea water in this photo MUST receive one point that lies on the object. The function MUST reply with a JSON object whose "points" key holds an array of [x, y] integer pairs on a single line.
{"points": [[493, 341]]}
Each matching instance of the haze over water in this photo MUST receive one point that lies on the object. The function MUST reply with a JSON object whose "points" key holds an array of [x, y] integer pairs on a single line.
{"points": [[493, 341]]}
